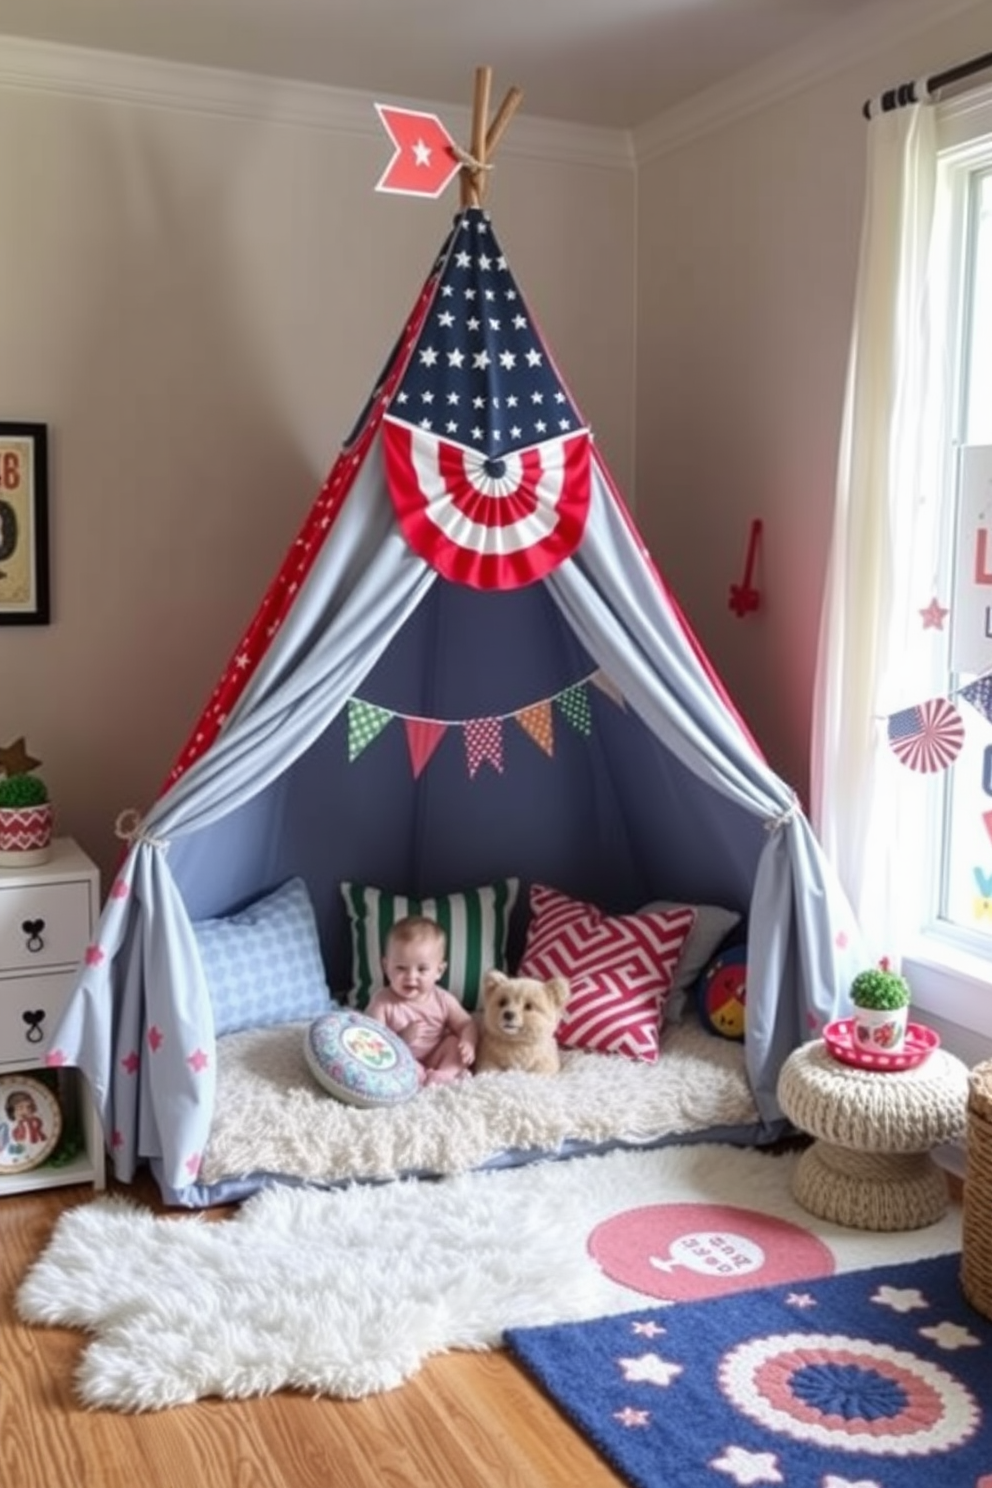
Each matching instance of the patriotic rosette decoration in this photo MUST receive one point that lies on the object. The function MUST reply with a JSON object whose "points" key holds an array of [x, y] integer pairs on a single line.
{"points": [[928, 736], [487, 459]]}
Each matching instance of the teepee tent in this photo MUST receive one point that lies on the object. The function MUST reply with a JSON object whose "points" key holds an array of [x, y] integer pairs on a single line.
{"points": [[466, 668]]}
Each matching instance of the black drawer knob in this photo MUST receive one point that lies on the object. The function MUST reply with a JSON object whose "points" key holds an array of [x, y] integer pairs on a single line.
{"points": [[34, 1020], [34, 931]]}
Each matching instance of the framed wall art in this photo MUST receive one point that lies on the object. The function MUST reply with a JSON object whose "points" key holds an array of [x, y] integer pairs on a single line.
{"points": [[24, 597]]}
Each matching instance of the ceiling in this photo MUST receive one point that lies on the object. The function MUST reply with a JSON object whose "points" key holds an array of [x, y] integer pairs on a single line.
{"points": [[608, 63]]}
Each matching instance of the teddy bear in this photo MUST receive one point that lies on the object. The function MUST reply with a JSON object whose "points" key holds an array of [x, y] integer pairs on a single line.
{"points": [[519, 1018]]}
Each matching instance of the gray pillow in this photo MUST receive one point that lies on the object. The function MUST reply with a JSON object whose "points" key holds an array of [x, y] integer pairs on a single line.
{"points": [[713, 923]]}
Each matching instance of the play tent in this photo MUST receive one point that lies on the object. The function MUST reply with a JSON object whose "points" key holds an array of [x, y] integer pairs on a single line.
{"points": [[466, 668]]}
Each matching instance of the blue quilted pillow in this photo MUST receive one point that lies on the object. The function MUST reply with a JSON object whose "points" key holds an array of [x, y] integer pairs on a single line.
{"points": [[263, 965]]}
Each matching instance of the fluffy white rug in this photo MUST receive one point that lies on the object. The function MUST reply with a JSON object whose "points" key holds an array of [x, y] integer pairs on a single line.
{"points": [[271, 1116], [346, 1292]]}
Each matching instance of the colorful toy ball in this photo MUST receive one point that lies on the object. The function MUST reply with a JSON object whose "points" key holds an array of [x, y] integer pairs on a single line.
{"points": [[721, 994]]}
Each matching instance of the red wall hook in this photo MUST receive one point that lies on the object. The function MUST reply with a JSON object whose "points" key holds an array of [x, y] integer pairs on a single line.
{"points": [[744, 597]]}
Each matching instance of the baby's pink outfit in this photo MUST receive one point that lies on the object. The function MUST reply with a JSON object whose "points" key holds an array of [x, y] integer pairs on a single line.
{"points": [[432, 1029]]}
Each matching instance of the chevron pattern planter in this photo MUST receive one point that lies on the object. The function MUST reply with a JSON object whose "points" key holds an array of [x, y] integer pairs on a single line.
{"points": [[25, 835]]}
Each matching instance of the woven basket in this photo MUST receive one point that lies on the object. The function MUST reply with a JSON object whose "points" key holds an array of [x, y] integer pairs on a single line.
{"points": [[976, 1245]]}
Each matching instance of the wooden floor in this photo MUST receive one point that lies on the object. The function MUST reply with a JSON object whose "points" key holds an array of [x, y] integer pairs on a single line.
{"points": [[465, 1421]]}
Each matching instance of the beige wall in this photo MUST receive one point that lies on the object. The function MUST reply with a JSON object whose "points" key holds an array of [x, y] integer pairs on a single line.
{"points": [[747, 254], [197, 302], [197, 297]]}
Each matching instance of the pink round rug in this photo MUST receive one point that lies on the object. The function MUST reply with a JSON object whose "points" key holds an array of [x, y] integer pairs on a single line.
{"points": [[681, 1252]]}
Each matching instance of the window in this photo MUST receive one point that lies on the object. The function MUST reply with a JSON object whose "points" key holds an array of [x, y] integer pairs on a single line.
{"points": [[964, 883], [950, 966]]}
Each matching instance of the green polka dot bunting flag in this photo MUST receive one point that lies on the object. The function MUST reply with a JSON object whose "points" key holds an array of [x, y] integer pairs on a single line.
{"points": [[365, 723], [574, 705]]}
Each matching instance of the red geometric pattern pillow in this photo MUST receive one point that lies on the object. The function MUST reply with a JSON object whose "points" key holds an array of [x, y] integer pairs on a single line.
{"points": [[620, 969]]}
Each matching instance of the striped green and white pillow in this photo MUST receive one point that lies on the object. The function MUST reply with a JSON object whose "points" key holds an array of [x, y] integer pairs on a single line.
{"points": [[475, 921]]}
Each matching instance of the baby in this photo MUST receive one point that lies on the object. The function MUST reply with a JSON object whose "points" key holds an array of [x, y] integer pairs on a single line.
{"points": [[440, 1033]]}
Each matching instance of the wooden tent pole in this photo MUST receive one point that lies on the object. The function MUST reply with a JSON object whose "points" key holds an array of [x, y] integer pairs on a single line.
{"points": [[471, 176], [498, 127], [474, 175], [496, 131]]}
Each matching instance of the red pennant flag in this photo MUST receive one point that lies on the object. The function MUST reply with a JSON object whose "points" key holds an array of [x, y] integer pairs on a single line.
{"points": [[424, 160], [484, 741], [423, 735]]}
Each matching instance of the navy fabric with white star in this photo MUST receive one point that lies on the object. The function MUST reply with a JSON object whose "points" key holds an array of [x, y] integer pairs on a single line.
{"points": [[479, 374]]}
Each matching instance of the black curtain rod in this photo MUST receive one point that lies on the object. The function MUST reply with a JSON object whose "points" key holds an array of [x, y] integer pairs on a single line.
{"points": [[899, 97]]}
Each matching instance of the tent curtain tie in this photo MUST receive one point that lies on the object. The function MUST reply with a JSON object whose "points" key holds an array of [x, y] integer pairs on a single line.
{"points": [[128, 828], [783, 817]]}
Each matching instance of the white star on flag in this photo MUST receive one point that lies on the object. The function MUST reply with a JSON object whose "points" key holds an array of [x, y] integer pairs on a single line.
{"points": [[649, 1369]]}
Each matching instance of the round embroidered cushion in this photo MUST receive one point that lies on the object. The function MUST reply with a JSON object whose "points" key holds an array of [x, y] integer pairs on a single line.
{"points": [[358, 1060]]}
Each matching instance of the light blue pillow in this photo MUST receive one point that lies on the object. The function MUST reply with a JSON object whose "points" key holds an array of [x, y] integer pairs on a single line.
{"points": [[263, 965]]}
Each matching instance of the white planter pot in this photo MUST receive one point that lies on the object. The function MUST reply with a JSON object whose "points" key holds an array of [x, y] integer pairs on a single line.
{"points": [[25, 835], [882, 1030]]}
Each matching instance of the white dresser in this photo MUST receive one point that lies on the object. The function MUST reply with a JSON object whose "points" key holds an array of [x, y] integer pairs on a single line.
{"points": [[47, 917]]}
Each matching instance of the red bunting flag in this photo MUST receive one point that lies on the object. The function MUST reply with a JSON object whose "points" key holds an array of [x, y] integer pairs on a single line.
{"points": [[424, 160], [423, 735], [484, 744]]}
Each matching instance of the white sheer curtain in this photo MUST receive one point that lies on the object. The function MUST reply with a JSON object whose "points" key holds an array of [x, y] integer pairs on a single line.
{"points": [[875, 657]]}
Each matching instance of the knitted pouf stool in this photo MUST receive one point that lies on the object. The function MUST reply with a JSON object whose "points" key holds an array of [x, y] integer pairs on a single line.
{"points": [[870, 1167], [976, 1237]]}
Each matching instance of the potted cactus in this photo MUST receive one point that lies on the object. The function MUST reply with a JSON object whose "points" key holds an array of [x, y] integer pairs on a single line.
{"points": [[881, 999], [26, 817]]}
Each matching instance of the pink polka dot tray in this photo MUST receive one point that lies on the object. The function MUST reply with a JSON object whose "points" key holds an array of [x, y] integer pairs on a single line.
{"points": [[918, 1044]]}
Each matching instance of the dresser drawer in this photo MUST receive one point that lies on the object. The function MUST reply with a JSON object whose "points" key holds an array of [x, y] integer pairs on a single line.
{"points": [[30, 1008], [45, 924]]}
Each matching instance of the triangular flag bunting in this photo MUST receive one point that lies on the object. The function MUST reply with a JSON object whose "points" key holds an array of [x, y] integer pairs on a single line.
{"points": [[606, 684], [365, 723], [423, 735], [538, 722], [979, 695], [484, 742], [574, 704]]}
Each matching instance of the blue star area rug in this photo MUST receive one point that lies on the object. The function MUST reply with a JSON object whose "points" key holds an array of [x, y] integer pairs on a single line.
{"points": [[869, 1379]]}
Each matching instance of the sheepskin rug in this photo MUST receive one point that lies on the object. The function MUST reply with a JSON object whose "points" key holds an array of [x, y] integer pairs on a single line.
{"points": [[346, 1292], [271, 1116]]}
